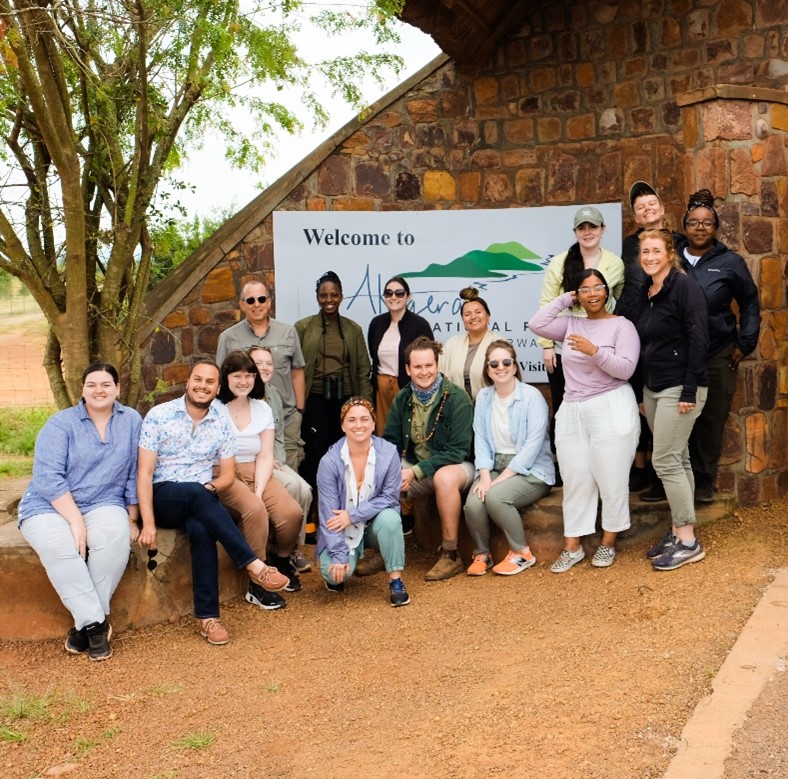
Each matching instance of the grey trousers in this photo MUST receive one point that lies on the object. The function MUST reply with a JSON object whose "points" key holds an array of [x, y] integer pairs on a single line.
{"points": [[502, 505], [670, 457], [294, 444], [85, 587]]}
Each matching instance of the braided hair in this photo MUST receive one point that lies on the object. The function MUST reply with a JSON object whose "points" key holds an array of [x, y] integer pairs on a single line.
{"points": [[329, 275], [701, 199]]}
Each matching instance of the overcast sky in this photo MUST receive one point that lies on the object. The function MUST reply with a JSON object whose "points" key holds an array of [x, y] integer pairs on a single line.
{"points": [[218, 185]]}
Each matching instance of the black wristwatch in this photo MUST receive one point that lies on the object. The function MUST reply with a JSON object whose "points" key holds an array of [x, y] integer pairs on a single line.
{"points": [[209, 485]]}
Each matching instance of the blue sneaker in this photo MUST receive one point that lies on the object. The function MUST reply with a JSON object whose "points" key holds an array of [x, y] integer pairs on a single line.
{"points": [[399, 595], [678, 554], [661, 546]]}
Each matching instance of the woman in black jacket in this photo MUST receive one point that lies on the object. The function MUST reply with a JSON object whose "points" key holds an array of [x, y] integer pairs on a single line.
{"points": [[388, 336], [674, 341], [724, 277]]}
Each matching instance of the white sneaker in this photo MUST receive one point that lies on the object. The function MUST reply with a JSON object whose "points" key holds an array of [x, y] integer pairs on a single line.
{"points": [[567, 559]]}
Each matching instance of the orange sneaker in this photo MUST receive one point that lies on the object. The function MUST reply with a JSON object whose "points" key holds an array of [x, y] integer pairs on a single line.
{"points": [[515, 562], [480, 565]]}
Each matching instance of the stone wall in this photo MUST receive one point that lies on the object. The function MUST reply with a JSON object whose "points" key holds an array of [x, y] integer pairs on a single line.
{"points": [[585, 99]]}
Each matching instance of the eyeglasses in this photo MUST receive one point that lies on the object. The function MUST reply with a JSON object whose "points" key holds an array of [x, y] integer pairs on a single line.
{"points": [[394, 293], [694, 223], [507, 363], [589, 290], [260, 299]]}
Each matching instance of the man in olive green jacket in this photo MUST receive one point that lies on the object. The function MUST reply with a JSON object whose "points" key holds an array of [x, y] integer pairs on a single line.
{"points": [[431, 423]]}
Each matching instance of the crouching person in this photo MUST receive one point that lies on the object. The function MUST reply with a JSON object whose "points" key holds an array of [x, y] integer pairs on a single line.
{"points": [[358, 484]]}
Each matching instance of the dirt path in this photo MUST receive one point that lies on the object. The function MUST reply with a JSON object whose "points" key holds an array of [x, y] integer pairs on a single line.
{"points": [[22, 342], [588, 674]]}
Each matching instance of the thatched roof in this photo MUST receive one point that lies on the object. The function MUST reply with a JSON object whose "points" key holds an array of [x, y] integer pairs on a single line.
{"points": [[467, 30]]}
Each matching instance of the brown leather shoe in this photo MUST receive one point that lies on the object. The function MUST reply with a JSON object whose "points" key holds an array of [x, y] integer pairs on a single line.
{"points": [[372, 562], [270, 579], [214, 632], [445, 568]]}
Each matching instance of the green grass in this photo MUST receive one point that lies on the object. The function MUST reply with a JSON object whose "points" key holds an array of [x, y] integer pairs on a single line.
{"points": [[19, 428], [16, 467], [194, 741], [20, 705], [11, 736]]}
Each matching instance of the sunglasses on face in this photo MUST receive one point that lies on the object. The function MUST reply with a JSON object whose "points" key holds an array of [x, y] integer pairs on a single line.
{"points": [[260, 299], [507, 363], [394, 293]]}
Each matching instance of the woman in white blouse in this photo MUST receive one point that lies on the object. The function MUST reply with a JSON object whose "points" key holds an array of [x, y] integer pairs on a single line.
{"points": [[260, 504]]}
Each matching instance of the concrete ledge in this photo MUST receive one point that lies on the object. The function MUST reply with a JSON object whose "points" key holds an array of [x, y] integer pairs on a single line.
{"points": [[544, 525], [32, 610]]}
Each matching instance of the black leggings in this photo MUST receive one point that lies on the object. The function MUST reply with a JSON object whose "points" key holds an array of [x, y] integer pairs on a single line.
{"points": [[320, 428]]}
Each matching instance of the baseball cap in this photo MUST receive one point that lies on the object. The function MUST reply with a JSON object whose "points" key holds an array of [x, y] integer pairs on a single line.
{"points": [[641, 188], [588, 214]]}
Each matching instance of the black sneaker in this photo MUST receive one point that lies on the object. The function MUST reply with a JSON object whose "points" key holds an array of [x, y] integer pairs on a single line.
{"points": [[98, 640], [285, 566], [661, 546], [704, 493], [334, 587], [654, 494], [270, 601], [399, 595], [77, 641], [407, 524]]}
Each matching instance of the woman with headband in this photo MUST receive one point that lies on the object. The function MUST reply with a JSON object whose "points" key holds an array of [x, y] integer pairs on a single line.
{"points": [[359, 481], [336, 368], [724, 277]]}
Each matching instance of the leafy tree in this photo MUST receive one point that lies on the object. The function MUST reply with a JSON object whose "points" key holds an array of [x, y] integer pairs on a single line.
{"points": [[101, 100]]}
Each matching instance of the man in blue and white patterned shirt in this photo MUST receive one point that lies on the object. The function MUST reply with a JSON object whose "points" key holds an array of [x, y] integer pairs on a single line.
{"points": [[179, 444]]}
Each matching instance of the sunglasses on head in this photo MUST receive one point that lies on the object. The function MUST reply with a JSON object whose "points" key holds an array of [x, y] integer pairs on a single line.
{"points": [[260, 299], [392, 293], [507, 363]]}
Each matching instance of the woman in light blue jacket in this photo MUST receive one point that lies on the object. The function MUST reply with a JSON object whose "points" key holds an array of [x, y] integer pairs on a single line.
{"points": [[513, 460]]}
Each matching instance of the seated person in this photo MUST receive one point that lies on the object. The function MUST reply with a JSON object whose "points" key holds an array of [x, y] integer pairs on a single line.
{"points": [[431, 424], [79, 512], [264, 510], [179, 443], [358, 502], [512, 448], [290, 479]]}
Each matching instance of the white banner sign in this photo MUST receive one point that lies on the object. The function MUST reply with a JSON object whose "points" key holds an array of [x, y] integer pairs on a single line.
{"points": [[501, 252]]}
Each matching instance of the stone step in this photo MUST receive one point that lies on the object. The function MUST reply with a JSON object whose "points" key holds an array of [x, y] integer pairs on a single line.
{"points": [[31, 610], [544, 525]]}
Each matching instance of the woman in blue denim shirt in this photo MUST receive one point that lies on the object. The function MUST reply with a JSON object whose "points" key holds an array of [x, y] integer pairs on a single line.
{"points": [[80, 510], [513, 460]]}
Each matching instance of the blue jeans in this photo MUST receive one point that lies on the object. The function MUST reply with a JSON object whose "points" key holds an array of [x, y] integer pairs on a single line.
{"points": [[193, 507]]}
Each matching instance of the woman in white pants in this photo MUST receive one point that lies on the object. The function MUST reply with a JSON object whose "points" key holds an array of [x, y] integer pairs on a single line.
{"points": [[597, 425], [80, 509]]}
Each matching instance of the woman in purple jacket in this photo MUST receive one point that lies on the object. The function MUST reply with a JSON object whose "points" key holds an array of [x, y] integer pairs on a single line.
{"points": [[358, 484], [597, 426]]}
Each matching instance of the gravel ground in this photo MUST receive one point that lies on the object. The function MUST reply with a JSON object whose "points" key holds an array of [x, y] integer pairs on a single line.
{"points": [[592, 673]]}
